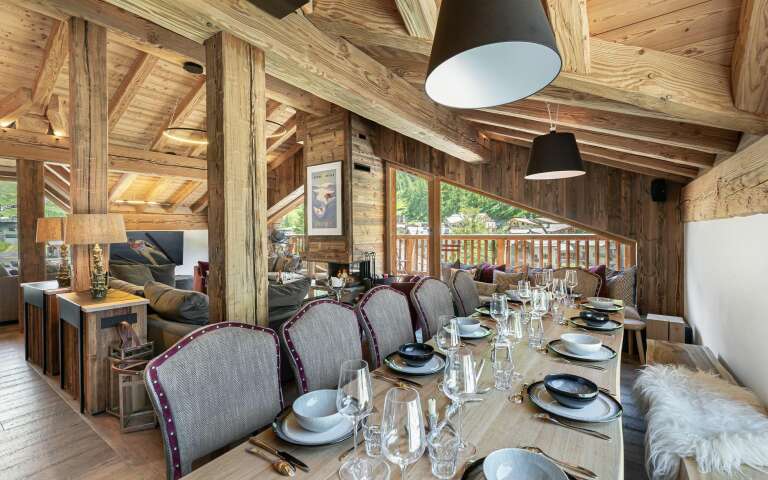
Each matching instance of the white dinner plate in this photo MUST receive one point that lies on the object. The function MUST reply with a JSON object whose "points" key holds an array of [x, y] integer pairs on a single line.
{"points": [[516, 463], [604, 409], [287, 428], [481, 332], [434, 365], [608, 326], [615, 308], [605, 353]]}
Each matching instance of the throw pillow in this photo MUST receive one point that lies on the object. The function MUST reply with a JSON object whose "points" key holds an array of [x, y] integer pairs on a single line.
{"points": [[600, 270], [507, 281], [136, 274], [118, 284], [164, 273], [479, 271], [289, 294], [178, 305], [622, 286], [486, 274]]}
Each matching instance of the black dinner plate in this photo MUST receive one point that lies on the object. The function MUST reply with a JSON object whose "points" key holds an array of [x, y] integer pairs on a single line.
{"points": [[608, 326]]}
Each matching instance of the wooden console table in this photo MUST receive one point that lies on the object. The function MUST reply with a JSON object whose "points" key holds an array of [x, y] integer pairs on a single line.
{"points": [[86, 333], [41, 324]]}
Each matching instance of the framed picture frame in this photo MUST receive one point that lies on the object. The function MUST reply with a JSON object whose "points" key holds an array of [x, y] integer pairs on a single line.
{"points": [[324, 197]]}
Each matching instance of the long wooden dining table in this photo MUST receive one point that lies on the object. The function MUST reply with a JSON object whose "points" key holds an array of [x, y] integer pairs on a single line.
{"points": [[492, 424]]}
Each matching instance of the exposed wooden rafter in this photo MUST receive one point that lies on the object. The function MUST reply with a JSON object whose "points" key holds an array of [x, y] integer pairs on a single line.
{"points": [[182, 111], [289, 130], [162, 184], [419, 16], [200, 204], [121, 186], [182, 194], [57, 113], [15, 104], [286, 155], [53, 61], [130, 85], [749, 64], [571, 26], [148, 222]]}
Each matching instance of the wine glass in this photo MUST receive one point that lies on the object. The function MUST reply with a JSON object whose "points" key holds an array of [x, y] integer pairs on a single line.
{"points": [[499, 312], [540, 301], [448, 338], [559, 292], [403, 439], [540, 279], [524, 294], [548, 277], [460, 384], [572, 281], [354, 399]]}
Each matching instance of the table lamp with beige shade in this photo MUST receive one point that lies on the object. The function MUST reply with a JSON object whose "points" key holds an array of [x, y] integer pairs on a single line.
{"points": [[51, 230], [95, 229]]}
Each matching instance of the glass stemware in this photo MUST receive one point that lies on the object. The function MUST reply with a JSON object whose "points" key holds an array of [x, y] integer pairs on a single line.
{"points": [[460, 384], [337, 285], [572, 281], [500, 313], [524, 293], [559, 293], [540, 300], [403, 439], [354, 399], [448, 337], [548, 277]]}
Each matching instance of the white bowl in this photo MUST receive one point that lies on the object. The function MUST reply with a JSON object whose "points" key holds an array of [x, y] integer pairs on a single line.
{"points": [[467, 325], [601, 302], [581, 344], [316, 411], [514, 463]]}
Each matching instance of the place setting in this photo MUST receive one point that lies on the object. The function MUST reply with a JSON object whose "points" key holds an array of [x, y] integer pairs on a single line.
{"points": [[418, 359], [602, 304], [596, 321]]}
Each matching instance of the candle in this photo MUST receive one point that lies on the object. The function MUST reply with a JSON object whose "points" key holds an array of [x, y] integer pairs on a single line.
{"points": [[432, 403]]}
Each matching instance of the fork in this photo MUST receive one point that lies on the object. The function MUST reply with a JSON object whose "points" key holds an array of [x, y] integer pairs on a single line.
{"points": [[585, 365], [586, 431]]}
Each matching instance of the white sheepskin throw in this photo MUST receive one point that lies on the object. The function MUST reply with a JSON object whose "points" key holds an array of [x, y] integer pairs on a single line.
{"points": [[698, 414]]}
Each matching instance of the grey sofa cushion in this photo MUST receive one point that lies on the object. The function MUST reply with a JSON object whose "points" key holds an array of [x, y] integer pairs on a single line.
{"points": [[179, 305], [287, 295], [118, 284], [136, 274], [166, 332], [164, 274]]}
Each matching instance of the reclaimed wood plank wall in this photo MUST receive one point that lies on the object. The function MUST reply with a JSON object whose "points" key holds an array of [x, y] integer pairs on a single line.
{"points": [[607, 200]]}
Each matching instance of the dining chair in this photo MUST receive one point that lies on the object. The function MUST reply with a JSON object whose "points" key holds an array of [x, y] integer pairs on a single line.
{"points": [[465, 293], [588, 283], [432, 299], [217, 385], [319, 338], [385, 318]]}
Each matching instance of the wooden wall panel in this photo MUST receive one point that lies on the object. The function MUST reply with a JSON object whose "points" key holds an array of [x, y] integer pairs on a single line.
{"points": [[607, 200], [285, 179]]}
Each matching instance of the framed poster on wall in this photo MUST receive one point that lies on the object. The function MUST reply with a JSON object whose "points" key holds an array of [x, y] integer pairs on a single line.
{"points": [[324, 213]]}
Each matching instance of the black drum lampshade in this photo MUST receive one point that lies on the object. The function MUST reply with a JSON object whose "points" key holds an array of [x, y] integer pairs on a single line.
{"points": [[554, 156], [491, 52]]}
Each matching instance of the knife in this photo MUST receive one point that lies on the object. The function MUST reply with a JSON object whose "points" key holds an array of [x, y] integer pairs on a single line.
{"points": [[278, 453], [398, 379]]}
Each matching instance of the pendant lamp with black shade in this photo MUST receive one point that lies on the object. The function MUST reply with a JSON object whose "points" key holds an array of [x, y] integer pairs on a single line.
{"points": [[491, 52], [554, 156]]}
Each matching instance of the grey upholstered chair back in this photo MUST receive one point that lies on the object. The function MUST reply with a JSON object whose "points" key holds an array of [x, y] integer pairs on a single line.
{"points": [[215, 386], [386, 320], [464, 291], [432, 299], [588, 283], [318, 339]]}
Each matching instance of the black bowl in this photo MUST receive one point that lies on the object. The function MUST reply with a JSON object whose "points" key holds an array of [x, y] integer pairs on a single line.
{"points": [[595, 319], [571, 391], [416, 354]]}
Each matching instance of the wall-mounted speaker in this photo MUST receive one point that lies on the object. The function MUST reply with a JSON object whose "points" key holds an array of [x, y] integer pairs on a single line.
{"points": [[659, 190]]}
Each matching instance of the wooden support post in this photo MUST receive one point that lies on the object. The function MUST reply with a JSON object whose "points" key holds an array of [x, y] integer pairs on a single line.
{"points": [[390, 217], [434, 226], [237, 180], [30, 203], [88, 107]]}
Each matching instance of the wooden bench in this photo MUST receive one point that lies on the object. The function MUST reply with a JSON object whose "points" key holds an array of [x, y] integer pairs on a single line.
{"points": [[695, 357]]}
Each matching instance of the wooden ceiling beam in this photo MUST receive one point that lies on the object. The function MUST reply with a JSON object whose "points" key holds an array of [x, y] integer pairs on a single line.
{"points": [[122, 186], [571, 26], [48, 148], [302, 55], [58, 115], [59, 174], [749, 63], [182, 111], [666, 132], [56, 51], [132, 82], [182, 194], [200, 204], [419, 16], [160, 222], [360, 35], [289, 131], [677, 155], [14, 105], [286, 155], [161, 184]]}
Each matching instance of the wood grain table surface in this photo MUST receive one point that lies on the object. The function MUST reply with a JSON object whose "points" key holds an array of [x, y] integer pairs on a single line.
{"points": [[491, 424]]}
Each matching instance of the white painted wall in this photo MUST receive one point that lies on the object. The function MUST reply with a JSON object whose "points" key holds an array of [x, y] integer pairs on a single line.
{"points": [[726, 286], [195, 249]]}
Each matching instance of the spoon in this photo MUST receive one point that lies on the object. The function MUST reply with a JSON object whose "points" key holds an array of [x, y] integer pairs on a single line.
{"points": [[281, 466]]}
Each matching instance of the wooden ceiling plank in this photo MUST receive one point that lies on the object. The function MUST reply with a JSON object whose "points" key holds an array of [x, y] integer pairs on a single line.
{"points": [[681, 156], [59, 174], [14, 105], [749, 64], [56, 51], [161, 222], [200, 204], [303, 56], [683, 87], [288, 154], [49, 148], [419, 16], [122, 186], [571, 26], [129, 87], [161, 184], [182, 111], [182, 194], [58, 115], [290, 130], [667, 132]]}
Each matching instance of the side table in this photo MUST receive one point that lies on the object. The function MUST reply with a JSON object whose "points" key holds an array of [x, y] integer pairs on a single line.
{"points": [[41, 321], [86, 333]]}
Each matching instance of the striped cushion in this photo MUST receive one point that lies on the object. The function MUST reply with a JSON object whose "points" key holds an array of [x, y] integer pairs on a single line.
{"points": [[385, 317], [432, 299], [621, 286], [464, 292], [507, 281]]}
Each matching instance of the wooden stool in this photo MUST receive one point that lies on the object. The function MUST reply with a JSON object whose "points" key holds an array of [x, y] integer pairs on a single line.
{"points": [[637, 326]]}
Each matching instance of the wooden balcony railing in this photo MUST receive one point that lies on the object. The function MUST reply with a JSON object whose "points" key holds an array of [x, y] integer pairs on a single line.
{"points": [[556, 251]]}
